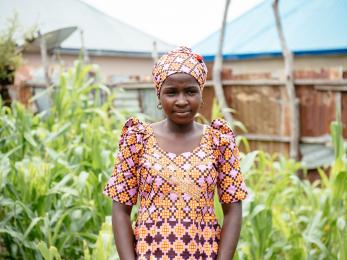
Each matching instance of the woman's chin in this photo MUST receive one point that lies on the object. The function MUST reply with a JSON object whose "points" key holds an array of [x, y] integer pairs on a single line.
{"points": [[182, 118]]}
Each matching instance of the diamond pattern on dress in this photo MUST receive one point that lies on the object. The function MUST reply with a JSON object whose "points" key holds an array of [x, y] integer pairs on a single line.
{"points": [[176, 218]]}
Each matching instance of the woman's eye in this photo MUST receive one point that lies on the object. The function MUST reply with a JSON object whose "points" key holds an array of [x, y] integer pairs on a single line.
{"points": [[191, 92]]}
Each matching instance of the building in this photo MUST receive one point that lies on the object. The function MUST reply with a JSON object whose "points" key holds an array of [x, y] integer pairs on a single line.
{"points": [[253, 73], [315, 31], [121, 51]]}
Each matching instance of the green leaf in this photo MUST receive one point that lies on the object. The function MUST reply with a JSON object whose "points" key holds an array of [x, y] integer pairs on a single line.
{"points": [[248, 161], [48, 253]]}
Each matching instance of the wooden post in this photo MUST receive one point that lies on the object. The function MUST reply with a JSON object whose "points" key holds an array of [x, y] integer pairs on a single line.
{"points": [[217, 70], [43, 50], [289, 82], [338, 100], [155, 52], [83, 48]]}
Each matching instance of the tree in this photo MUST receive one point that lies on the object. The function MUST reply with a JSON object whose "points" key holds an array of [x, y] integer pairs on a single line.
{"points": [[10, 57], [11, 54], [217, 70], [289, 82]]}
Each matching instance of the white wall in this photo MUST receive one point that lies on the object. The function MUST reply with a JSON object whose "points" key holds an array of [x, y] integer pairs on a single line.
{"points": [[109, 66]]}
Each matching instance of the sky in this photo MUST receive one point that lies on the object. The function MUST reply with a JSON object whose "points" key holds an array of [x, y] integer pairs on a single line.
{"points": [[179, 22]]}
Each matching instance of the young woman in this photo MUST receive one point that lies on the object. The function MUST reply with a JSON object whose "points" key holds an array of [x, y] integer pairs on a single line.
{"points": [[174, 166]]}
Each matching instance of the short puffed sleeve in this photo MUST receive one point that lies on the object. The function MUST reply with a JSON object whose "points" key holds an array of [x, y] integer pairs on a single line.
{"points": [[123, 184], [230, 183]]}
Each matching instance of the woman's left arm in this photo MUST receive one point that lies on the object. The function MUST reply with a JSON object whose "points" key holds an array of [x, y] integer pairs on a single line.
{"points": [[230, 231]]}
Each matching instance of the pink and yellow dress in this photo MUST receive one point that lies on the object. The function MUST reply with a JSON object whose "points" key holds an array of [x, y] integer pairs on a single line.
{"points": [[176, 218]]}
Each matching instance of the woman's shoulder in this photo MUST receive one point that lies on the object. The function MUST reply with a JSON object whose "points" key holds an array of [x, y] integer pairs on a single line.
{"points": [[133, 129], [222, 133], [133, 124]]}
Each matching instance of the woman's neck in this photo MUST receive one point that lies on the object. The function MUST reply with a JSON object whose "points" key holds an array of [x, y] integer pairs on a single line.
{"points": [[176, 128]]}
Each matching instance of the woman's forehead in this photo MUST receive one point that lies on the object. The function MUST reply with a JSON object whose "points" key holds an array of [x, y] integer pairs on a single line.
{"points": [[180, 78]]}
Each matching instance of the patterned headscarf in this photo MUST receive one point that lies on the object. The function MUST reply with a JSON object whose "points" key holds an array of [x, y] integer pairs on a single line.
{"points": [[179, 60]]}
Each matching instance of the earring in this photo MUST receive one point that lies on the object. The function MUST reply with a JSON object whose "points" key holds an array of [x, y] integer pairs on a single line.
{"points": [[202, 104], [159, 106]]}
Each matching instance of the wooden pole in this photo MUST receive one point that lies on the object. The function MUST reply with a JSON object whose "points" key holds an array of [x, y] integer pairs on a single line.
{"points": [[43, 50], [155, 52], [83, 48], [289, 83], [217, 70]]}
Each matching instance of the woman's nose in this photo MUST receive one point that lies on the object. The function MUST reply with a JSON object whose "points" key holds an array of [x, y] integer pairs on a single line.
{"points": [[181, 99]]}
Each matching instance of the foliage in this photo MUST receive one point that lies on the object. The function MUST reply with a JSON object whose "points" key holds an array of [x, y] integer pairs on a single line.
{"points": [[10, 58], [54, 165], [104, 247], [10, 54], [289, 218]]}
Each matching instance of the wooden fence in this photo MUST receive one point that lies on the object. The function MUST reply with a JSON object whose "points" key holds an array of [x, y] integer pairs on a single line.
{"points": [[262, 107]]}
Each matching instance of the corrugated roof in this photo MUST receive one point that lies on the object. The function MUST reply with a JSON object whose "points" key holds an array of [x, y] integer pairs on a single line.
{"points": [[101, 32], [310, 27]]}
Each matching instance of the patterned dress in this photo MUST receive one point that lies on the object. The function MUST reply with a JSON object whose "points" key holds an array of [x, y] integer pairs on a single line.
{"points": [[176, 218]]}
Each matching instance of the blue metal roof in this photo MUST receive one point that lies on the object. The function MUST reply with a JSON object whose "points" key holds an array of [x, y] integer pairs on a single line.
{"points": [[311, 27]]}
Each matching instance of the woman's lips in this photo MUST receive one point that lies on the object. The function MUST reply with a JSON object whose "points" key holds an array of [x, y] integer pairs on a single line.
{"points": [[182, 113]]}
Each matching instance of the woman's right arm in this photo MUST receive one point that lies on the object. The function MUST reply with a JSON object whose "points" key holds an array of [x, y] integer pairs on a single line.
{"points": [[123, 186], [122, 231]]}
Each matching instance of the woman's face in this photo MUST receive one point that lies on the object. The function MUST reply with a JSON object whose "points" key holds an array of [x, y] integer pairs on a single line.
{"points": [[180, 97]]}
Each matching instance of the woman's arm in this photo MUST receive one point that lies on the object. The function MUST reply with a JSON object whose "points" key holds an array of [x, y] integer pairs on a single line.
{"points": [[122, 231], [230, 231]]}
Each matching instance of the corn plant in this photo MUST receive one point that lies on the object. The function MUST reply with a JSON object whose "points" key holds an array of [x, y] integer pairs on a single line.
{"points": [[104, 247], [289, 218], [53, 168]]}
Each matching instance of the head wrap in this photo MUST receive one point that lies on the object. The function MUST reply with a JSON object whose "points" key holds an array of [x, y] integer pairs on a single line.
{"points": [[180, 60]]}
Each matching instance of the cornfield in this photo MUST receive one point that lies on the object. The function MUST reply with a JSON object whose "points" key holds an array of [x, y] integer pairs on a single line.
{"points": [[54, 165]]}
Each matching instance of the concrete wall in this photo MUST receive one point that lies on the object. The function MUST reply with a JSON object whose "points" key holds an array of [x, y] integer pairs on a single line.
{"points": [[142, 67], [109, 66]]}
